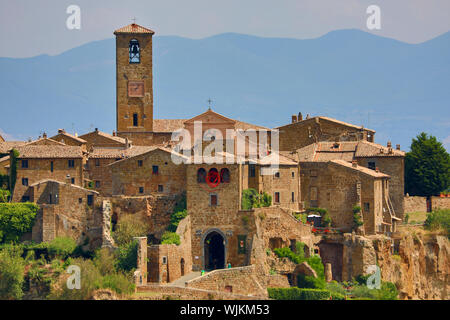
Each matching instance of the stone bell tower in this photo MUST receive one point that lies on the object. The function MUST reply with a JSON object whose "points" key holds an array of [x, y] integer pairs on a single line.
{"points": [[134, 79]]}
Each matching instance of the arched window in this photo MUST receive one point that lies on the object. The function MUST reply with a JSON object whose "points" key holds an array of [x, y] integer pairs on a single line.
{"points": [[213, 176], [201, 175], [225, 175], [135, 51]]}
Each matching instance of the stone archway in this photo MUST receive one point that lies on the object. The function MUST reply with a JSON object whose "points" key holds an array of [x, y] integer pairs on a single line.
{"points": [[214, 245]]}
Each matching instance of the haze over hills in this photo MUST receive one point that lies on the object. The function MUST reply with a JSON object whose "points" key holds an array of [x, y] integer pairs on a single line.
{"points": [[395, 88]]}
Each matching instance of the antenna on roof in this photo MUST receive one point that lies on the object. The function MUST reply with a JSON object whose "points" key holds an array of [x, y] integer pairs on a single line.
{"points": [[134, 20]]}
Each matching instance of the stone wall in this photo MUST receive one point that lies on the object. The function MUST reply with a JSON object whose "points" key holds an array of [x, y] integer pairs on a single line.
{"points": [[101, 173], [415, 204], [240, 280], [440, 202]]}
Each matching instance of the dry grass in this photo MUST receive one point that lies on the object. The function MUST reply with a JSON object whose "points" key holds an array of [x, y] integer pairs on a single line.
{"points": [[417, 217]]}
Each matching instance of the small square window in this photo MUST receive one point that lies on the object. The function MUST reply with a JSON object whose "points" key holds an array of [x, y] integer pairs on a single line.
{"points": [[160, 188], [277, 174], [97, 162], [71, 163], [371, 165], [25, 199], [72, 181], [164, 260], [293, 174], [24, 164], [140, 163], [80, 200], [155, 169], [90, 199], [25, 181], [97, 184], [213, 200], [141, 189]]}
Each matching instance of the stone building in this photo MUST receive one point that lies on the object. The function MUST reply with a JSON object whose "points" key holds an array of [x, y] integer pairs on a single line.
{"points": [[44, 160], [70, 140]]}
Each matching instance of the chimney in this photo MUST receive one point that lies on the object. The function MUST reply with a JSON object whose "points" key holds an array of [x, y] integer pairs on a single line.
{"points": [[307, 116], [61, 131], [114, 133], [294, 118], [96, 129], [354, 163], [44, 136], [397, 147], [389, 144], [377, 169], [300, 116]]}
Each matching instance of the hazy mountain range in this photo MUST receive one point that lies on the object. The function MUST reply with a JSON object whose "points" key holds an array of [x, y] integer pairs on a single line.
{"points": [[395, 88]]}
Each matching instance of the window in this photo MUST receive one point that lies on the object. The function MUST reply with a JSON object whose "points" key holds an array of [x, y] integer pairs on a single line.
{"points": [[25, 199], [97, 162], [134, 51], [141, 189], [24, 164], [213, 200], [25, 181], [160, 188], [90, 199], [277, 197], [50, 198], [164, 260], [213, 176], [80, 200], [252, 170], [72, 181], [225, 175], [293, 196], [201, 175], [366, 207], [97, 184], [140, 163], [135, 119], [71, 163], [242, 241], [277, 174], [293, 174], [313, 197], [51, 166], [371, 165], [155, 169]]}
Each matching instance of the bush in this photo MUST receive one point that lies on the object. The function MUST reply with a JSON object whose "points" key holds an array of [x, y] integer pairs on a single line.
{"points": [[4, 195], [298, 294], [175, 219], [62, 247], [126, 256], [128, 227], [438, 219], [252, 199], [357, 222], [119, 282], [16, 219], [170, 238], [12, 267], [105, 261]]}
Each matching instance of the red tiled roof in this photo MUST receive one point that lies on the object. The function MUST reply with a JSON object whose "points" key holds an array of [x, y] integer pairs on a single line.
{"points": [[115, 153], [134, 28], [49, 151], [6, 146], [361, 169], [370, 149]]}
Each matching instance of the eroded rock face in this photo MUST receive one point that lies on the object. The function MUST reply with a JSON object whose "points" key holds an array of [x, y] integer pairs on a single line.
{"points": [[107, 240], [421, 268]]}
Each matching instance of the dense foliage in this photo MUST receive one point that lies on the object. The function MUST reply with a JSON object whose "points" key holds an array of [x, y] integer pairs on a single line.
{"points": [[15, 220], [326, 219], [427, 167], [61, 247], [298, 294], [13, 169], [4, 195], [12, 267], [170, 238], [252, 199], [357, 222], [128, 227], [438, 219]]}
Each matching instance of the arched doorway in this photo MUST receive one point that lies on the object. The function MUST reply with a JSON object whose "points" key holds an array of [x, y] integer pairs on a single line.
{"points": [[214, 251]]}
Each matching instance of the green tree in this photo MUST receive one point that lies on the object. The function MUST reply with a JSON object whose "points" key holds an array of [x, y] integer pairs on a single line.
{"points": [[12, 267], [15, 220], [128, 227], [427, 167], [13, 170]]}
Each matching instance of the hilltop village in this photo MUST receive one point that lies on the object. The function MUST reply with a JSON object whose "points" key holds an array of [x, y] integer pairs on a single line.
{"points": [[84, 184]]}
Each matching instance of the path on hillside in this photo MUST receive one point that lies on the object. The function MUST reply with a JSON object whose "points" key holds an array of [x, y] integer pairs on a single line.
{"points": [[180, 282]]}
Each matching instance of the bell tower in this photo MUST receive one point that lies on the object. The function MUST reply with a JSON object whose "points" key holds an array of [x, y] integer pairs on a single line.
{"points": [[134, 79]]}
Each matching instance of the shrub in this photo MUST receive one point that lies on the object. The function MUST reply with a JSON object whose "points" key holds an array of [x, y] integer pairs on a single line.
{"points": [[62, 247], [357, 222], [170, 238], [175, 219], [16, 219], [128, 227], [310, 282], [126, 256], [4, 195], [252, 199], [118, 282], [104, 260], [12, 267], [298, 294], [438, 219]]}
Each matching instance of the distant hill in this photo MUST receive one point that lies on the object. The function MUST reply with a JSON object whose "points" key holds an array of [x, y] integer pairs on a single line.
{"points": [[396, 88]]}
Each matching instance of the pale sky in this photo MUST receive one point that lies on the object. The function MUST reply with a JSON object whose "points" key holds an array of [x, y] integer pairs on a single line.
{"points": [[33, 27]]}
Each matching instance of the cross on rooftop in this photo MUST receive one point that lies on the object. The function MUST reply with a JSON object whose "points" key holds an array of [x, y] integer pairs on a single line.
{"points": [[209, 103]]}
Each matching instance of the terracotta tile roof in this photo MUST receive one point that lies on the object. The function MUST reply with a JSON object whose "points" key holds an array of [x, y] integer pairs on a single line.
{"points": [[134, 28], [272, 159], [4, 159], [115, 153], [361, 169], [245, 126], [5, 146], [328, 119], [147, 150], [49, 152], [105, 135], [66, 134], [370, 149], [168, 125], [61, 182], [44, 142]]}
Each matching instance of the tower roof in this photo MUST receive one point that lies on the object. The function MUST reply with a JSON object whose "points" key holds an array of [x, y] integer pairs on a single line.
{"points": [[134, 28]]}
